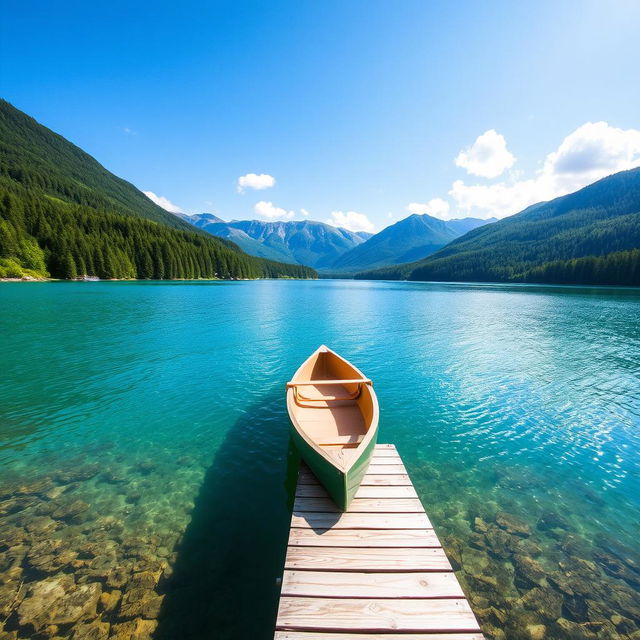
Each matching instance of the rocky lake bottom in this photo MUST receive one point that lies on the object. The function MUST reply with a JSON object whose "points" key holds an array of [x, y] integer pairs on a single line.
{"points": [[89, 551]]}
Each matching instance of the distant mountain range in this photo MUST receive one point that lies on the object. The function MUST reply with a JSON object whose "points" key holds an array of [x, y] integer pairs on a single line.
{"points": [[336, 250], [299, 242], [591, 236]]}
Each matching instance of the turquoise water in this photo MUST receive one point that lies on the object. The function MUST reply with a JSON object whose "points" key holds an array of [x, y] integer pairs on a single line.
{"points": [[144, 452]]}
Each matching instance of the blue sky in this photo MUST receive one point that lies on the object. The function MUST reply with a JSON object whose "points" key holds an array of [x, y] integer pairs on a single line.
{"points": [[359, 111]]}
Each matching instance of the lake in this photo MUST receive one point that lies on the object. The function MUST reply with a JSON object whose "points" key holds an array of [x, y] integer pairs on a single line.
{"points": [[145, 459]]}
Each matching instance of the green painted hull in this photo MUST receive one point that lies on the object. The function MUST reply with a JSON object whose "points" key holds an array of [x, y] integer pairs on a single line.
{"points": [[340, 486]]}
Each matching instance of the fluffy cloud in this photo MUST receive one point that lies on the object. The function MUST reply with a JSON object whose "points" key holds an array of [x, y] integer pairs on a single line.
{"points": [[304, 212], [255, 181], [269, 211], [351, 220], [487, 157], [436, 207], [163, 202], [591, 152]]}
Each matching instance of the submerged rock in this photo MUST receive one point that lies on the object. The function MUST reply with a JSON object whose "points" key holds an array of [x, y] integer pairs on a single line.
{"points": [[616, 568], [545, 601], [528, 572], [70, 511], [38, 608], [78, 604], [94, 630], [512, 524], [140, 603], [134, 630], [109, 600]]}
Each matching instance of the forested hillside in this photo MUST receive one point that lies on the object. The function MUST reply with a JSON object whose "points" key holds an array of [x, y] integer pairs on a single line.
{"points": [[591, 236], [63, 214]]}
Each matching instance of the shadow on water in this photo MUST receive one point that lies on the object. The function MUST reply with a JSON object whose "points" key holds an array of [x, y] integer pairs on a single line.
{"points": [[225, 582]]}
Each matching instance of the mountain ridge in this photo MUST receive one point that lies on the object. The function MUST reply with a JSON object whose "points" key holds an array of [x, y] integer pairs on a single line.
{"points": [[411, 238], [309, 242]]}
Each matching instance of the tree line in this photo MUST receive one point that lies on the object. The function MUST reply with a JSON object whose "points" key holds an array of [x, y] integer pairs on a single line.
{"points": [[41, 235]]}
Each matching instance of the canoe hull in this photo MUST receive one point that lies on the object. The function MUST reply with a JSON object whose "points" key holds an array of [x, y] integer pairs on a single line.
{"points": [[341, 486], [334, 417]]}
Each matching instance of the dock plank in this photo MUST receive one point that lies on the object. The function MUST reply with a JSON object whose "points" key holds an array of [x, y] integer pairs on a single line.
{"points": [[373, 491], [386, 480], [407, 538], [366, 559], [377, 469], [370, 585], [350, 520], [369, 615], [361, 505]]}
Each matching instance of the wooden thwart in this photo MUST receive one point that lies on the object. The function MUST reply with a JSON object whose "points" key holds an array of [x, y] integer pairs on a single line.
{"points": [[377, 571]]}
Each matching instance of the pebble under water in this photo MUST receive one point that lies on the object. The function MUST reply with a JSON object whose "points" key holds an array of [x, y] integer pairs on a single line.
{"points": [[146, 471]]}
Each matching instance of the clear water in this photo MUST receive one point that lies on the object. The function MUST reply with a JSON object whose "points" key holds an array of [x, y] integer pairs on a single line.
{"points": [[158, 408]]}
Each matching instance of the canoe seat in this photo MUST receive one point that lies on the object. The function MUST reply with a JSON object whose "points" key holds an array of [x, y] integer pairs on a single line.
{"points": [[324, 393], [340, 441]]}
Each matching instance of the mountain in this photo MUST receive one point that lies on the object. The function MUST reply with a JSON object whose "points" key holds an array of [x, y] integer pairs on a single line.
{"points": [[304, 242], [199, 219], [591, 236], [412, 238], [63, 213]]}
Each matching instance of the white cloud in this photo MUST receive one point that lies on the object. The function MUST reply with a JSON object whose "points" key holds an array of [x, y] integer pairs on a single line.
{"points": [[163, 202], [304, 212], [255, 181], [591, 152], [488, 156], [129, 131], [269, 211], [351, 220], [436, 207]]}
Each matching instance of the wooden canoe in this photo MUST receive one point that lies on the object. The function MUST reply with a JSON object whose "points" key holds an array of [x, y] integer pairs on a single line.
{"points": [[334, 414]]}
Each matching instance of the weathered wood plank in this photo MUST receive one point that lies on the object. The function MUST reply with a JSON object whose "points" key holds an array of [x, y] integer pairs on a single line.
{"points": [[385, 446], [381, 453], [314, 635], [382, 491], [360, 520], [377, 469], [408, 538], [373, 491], [375, 616], [334, 584], [361, 505], [358, 559], [387, 480], [386, 459]]}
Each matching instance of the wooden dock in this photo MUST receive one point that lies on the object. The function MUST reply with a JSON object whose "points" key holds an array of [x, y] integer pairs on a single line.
{"points": [[377, 571]]}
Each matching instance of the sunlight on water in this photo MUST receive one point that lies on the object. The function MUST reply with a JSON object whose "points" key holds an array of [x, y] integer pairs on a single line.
{"points": [[144, 456]]}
